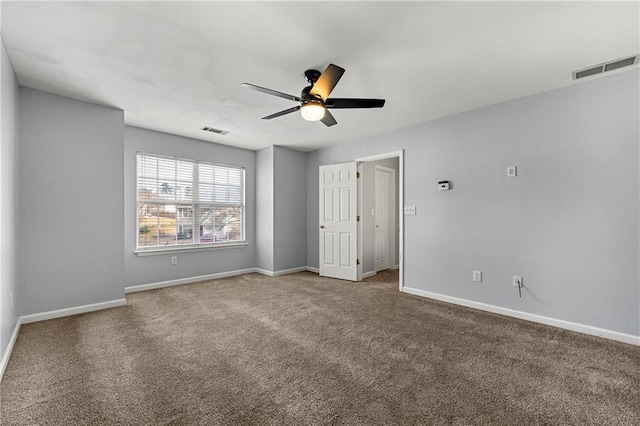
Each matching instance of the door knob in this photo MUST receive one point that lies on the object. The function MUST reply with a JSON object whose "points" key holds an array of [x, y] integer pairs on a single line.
{"points": [[321, 226]]}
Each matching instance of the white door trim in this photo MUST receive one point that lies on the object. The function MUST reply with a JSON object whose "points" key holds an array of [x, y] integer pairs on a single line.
{"points": [[400, 155]]}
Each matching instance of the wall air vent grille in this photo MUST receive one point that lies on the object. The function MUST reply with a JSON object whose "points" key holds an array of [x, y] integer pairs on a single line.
{"points": [[607, 66], [214, 130], [588, 72], [621, 63]]}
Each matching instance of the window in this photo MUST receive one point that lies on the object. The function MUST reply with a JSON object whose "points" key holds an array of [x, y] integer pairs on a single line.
{"points": [[186, 203]]}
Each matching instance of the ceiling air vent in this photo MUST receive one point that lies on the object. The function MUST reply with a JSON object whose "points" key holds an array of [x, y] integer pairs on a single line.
{"points": [[214, 130], [607, 66]]}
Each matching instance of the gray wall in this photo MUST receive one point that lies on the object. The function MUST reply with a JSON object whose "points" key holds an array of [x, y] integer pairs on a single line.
{"points": [[264, 207], [71, 204], [569, 223], [290, 209], [158, 268], [368, 221], [9, 213]]}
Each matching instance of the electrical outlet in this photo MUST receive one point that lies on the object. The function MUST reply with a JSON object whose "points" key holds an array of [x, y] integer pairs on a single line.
{"points": [[512, 171], [477, 276], [174, 260], [517, 281]]}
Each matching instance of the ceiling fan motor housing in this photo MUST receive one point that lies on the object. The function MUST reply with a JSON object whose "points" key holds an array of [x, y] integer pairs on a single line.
{"points": [[305, 93], [312, 76]]}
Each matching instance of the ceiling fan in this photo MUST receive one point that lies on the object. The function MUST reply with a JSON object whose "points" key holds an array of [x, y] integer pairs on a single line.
{"points": [[314, 99]]}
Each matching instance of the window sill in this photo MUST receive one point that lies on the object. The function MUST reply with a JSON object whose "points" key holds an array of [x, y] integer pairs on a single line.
{"points": [[173, 250]]}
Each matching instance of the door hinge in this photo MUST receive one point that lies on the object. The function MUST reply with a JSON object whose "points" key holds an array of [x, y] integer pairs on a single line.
{"points": [[357, 261], [358, 218], [357, 175]]}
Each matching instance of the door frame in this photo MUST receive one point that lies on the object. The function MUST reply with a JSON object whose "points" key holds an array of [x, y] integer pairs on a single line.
{"points": [[393, 154]]}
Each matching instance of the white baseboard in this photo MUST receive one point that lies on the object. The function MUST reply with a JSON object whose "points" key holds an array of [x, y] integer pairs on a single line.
{"points": [[395, 267], [263, 272], [189, 280], [43, 316], [281, 272], [368, 274], [171, 283], [7, 352], [313, 269], [567, 325]]}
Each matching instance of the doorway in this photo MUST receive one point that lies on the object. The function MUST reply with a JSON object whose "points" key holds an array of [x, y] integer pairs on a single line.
{"points": [[380, 201], [347, 219]]}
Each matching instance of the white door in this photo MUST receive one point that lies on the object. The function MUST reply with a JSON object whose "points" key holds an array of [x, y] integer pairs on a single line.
{"points": [[383, 226], [338, 221]]}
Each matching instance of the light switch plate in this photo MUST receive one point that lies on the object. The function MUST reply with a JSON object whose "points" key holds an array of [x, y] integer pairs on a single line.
{"points": [[512, 171], [409, 209]]}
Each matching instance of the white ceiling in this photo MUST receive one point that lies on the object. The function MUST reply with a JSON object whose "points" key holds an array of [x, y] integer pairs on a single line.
{"points": [[177, 66]]}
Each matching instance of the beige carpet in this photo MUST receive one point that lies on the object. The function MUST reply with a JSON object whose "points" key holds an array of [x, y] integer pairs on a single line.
{"points": [[301, 350]]}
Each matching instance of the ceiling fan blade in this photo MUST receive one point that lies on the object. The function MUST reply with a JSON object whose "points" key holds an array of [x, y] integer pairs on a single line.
{"points": [[327, 81], [271, 92], [328, 119], [353, 103], [278, 114]]}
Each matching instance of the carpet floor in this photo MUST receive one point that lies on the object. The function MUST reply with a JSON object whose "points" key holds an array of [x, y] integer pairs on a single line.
{"points": [[304, 350]]}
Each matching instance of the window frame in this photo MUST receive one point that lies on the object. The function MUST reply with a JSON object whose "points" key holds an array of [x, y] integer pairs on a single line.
{"points": [[195, 204]]}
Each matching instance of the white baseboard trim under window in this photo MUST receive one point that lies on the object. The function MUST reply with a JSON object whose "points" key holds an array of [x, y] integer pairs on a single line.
{"points": [[567, 325], [199, 278], [7, 352], [43, 316], [189, 280]]}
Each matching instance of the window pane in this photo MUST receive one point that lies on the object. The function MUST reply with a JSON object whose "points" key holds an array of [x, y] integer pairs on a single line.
{"points": [[205, 174], [220, 184], [225, 223], [185, 233], [166, 169], [220, 194], [235, 195], [221, 175], [147, 189], [236, 177], [205, 192], [147, 225], [147, 167], [206, 225], [165, 179], [184, 181], [157, 225]]}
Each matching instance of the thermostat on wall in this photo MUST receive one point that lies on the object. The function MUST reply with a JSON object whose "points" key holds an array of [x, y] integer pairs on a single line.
{"points": [[443, 185]]}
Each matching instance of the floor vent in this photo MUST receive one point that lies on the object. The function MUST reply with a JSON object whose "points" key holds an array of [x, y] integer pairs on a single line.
{"points": [[214, 130], [607, 66]]}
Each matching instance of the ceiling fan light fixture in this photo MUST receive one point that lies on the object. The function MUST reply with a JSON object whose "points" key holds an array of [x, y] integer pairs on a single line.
{"points": [[312, 110]]}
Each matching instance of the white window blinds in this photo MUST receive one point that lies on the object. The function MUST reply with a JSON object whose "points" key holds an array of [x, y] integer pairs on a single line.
{"points": [[188, 203]]}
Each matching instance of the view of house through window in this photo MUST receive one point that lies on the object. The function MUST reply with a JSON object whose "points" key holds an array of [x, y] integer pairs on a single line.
{"points": [[188, 203]]}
